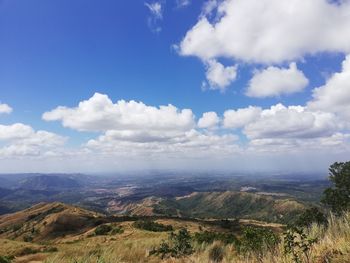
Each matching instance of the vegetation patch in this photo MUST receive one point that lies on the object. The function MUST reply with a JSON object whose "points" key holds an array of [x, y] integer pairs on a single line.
{"points": [[152, 226]]}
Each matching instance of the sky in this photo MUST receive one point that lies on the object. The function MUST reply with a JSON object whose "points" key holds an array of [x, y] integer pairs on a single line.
{"points": [[233, 85]]}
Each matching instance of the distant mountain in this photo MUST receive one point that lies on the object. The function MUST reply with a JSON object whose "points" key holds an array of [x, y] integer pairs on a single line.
{"points": [[231, 205], [49, 182]]}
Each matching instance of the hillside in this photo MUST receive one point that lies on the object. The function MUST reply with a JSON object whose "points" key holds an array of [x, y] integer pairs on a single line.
{"points": [[48, 182], [231, 205], [79, 243], [46, 221]]}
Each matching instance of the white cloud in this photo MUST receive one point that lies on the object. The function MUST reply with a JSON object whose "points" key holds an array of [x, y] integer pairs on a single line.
{"points": [[334, 96], [219, 76], [99, 113], [156, 10], [191, 144], [22, 140], [182, 3], [292, 122], [208, 7], [274, 81], [270, 31], [208, 120], [241, 117], [4, 108], [15, 131], [135, 129]]}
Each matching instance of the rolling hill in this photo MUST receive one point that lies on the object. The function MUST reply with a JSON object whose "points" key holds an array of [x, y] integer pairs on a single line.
{"points": [[231, 205]]}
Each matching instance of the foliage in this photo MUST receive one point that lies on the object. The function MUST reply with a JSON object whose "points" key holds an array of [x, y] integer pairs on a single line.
{"points": [[298, 244], [338, 196], [152, 226], [216, 253], [103, 230], [27, 238], [311, 215], [178, 245], [229, 224], [210, 237], [258, 240], [117, 230], [4, 259], [108, 229]]}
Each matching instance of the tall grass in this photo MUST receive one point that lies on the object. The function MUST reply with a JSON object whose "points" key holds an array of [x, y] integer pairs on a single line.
{"points": [[332, 246]]}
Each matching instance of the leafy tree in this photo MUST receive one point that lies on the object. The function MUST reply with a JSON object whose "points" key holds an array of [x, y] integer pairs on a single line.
{"points": [[338, 196], [103, 230], [178, 245], [311, 215], [258, 240], [152, 226], [298, 244], [209, 237]]}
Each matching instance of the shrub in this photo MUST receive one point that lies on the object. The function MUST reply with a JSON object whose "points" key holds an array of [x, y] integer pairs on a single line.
{"points": [[210, 237], [4, 259], [216, 253], [16, 227], [27, 238], [103, 230], [178, 245], [298, 244], [311, 215], [152, 226], [258, 240], [117, 230], [28, 251]]}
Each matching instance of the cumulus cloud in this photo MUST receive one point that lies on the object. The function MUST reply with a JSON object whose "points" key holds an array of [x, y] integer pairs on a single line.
{"points": [[99, 113], [274, 81], [270, 31], [156, 15], [334, 96], [22, 140], [219, 76], [136, 129], [291, 122], [4, 108], [208, 120], [241, 117]]}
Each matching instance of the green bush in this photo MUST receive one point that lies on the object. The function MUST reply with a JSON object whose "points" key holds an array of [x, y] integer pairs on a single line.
{"points": [[216, 253], [27, 238], [258, 240], [311, 215], [152, 226], [178, 245], [103, 230], [298, 244], [4, 259], [210, 237], [117, 230]]}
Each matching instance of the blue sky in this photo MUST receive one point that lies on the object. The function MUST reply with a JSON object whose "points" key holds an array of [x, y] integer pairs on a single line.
{"points": [[184, 53]]}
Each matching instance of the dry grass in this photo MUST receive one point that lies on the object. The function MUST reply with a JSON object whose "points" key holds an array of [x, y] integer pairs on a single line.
{"points": [[133, 245]]}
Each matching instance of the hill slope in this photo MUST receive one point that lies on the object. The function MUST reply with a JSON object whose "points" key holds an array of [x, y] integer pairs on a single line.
{"points": [[46, 221], [231, 205], [48, 182]]}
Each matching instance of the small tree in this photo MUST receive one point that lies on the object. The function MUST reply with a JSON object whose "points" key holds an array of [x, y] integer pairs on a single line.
{"points": [[178, 245], [338, 196], [311, 215], [298, 244]]}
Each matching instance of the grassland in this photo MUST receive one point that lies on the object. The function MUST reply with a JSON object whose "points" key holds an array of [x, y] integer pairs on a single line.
{"points": [[134, 245]]}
